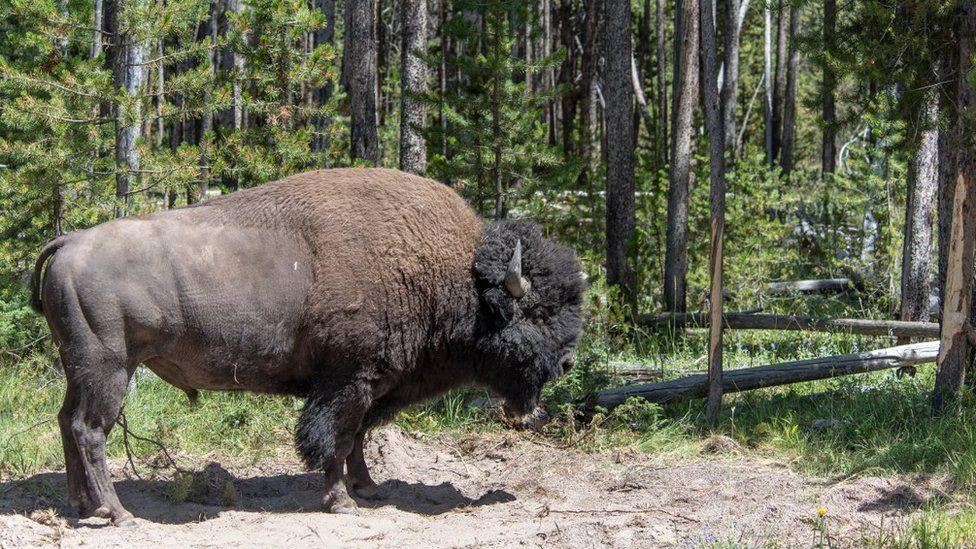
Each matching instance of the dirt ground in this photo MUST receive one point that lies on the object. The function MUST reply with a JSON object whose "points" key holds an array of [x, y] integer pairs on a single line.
{"points": [[481, 491]]}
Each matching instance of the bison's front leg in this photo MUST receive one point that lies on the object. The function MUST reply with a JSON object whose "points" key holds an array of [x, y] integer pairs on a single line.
{"points": [[326, 434]]}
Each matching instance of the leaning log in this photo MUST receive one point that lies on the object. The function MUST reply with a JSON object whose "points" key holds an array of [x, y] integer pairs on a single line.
{"points": [[751, 321], [745, 379], [824, 286]]}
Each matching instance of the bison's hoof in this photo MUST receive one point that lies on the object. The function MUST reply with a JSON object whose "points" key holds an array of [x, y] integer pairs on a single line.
{"points": [[346, 510], [129, 522], [340, 504]]}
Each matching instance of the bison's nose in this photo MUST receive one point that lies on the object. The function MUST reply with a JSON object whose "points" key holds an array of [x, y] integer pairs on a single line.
{"points": [[566, 364]]}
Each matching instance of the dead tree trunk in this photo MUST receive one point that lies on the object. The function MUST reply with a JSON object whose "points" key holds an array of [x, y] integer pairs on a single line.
{"points": [[917, 251], [789, 102], [746, 379], [619, 96], [829, 146], [957, 308], [685, 98], [754, 321], [713, 121], [360, 56], [413, 119]]}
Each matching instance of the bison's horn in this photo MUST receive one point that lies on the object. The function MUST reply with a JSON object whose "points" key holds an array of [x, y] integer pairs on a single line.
{"points": [[516, 284]]}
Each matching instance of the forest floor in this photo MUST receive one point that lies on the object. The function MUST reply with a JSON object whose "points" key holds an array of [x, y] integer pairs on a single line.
{"points": [[498, 489]]}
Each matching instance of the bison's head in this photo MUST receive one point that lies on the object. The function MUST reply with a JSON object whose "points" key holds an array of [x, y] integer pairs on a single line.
{"points": [[530, 291]]}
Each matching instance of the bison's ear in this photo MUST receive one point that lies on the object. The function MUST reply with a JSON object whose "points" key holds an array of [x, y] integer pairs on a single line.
{"points": [[499, 306]]}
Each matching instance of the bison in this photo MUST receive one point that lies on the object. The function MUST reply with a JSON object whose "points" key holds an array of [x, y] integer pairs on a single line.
{"points": [[361, 290]]}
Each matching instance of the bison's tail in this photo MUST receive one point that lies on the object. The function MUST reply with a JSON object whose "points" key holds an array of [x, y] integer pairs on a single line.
{"points": [[49, 250]]}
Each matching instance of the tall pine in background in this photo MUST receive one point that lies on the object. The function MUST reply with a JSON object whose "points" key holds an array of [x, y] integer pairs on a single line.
{"points": [[493, 144]]}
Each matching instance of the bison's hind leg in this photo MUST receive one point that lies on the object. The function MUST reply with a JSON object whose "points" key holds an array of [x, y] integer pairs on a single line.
{"points": [[91, 406], [359, 479], [325, 436]]}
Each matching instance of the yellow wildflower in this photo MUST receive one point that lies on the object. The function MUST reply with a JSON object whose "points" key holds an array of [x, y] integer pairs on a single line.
{"points": [[821, 512]]}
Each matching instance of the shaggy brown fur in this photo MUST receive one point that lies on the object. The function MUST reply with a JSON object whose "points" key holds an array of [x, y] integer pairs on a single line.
{"points": [[362, 290]]}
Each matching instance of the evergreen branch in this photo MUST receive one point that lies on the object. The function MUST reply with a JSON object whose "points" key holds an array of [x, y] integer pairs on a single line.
{"points": [[55, 85]]}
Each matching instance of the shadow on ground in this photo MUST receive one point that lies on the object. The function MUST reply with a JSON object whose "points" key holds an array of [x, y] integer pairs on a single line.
{"points": [[214, 490]]}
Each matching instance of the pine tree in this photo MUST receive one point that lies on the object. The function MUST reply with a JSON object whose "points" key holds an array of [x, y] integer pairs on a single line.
{"points": [[494, 139]]}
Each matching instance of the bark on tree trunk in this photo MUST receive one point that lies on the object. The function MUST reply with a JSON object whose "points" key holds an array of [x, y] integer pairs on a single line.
{"points": [[779, 92], [957, 308], [360, 57], [713, 121], [922, 178], [413, 119], [768, 78], [588, 137], [619, 97], [948, 69], [789, 102], [128, 58], [566, 76], [746, 379], [662, 94], [320, 96], [207, 122], [829, 146], [730, 80], [98, 22], [685, 99]]}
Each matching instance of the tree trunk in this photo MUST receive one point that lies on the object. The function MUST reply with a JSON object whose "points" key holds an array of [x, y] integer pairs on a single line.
{"points": [[789, 102], [496, 130], [922, 178], [957, 308], [588, 137], [756, 321], [566, 76], [619, 96], [413, 78], [730, 81], [785, 373], [685, 99], [948, 68], [98, 23], [320, 96], [768, 79], [716, 135], [662, 94], [829, 146], [779, 91], [360, 71], [128, 58], [207, 121]]}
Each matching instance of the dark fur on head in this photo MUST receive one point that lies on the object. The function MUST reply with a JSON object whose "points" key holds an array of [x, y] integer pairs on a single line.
{"points": [[523, 343]]}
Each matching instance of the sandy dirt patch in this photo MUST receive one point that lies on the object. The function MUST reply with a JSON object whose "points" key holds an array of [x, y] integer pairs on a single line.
{"points": [[479, 491]]}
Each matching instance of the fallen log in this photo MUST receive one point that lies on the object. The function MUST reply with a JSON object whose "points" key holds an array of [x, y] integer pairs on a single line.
{"points": [[745, 379], [750, 321], [824, 286]]}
